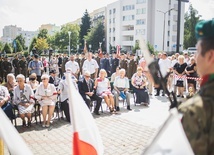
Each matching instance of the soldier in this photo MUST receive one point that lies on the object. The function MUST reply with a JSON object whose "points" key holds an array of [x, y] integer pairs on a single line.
{"points": [[198, 115], [123, 62], [132, 66], [83, 58], [6, 67], [15, 64], [64, 60], [23, 66], [114, 63]]}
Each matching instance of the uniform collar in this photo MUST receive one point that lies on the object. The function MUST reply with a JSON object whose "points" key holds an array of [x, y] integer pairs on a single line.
{"points": [[207, 78]]}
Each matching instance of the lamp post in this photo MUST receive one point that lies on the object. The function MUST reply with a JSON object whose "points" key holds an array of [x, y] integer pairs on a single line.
{"points": [[164, 23], [69, 36], [89, 47]]}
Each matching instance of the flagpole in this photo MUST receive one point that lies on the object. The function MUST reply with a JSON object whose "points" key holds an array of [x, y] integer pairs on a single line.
{"points": [[1, 147]]}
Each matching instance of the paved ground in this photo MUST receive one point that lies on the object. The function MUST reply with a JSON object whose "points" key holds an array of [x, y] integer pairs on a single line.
{"points": [[125, 133]]}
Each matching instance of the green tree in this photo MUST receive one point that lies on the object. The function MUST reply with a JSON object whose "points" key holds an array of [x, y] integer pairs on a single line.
{"points": [[21, 40], [41, 45], [43, 34], [191, 18], [95, 36], [150, 48], [18, 47], [7, 48], [136, 47], [32, 44], [60, 40], [84, 27], [1, 46]]}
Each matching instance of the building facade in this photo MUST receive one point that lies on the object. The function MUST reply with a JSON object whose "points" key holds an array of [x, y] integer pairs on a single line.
{"points": [[129, 21], [9, 33], [28, 36]]}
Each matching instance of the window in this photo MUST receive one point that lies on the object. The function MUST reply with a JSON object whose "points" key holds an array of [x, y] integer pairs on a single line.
{"points": [[128, 7], [168, 22], [109, 29], [113, 20], [110, 12], [109, 21], [128, 18], [140, 32], [113, 38], [141, 1], [114, 10], [141, 11], [169, 2], [167, 43], [168, 33], [140, 22]]}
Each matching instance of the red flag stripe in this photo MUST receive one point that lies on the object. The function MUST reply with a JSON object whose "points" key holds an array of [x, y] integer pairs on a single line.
{"points": [[82, 148]]}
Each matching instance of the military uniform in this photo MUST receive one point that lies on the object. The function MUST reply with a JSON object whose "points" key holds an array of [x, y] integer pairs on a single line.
{"points": [[114, 65], [23, 65], [15, 64], [6, 67], [124, 64], [198, 111], [131, 68]]}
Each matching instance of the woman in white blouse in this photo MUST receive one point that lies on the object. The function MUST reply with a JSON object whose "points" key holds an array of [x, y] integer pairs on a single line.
{"points": [[46, 95], [23, 98]]}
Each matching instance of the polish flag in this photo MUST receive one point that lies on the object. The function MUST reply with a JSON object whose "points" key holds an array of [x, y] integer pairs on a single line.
{"points": [[11, 137], [118, 50], [86, 137]]}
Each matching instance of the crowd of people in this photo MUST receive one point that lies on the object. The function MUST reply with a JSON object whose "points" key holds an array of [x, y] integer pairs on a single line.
{"points": [[108, 77]]}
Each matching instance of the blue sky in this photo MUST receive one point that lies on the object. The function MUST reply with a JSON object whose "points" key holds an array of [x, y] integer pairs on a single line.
{"points": [[30, 14]]}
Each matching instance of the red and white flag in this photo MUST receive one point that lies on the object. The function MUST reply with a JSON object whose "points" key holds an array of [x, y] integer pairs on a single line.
{"points": [[86, 137], [118, 50]]}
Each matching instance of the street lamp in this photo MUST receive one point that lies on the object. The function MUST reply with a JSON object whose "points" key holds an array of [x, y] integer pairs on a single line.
{"points": [[164, 23], [89, 47], [69, 36]]}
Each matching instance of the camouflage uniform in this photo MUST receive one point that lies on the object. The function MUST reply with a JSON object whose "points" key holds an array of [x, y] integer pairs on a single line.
{"points": [[198, 119], [198, 111]]}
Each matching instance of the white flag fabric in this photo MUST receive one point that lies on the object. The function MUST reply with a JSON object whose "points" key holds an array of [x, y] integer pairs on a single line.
{"points": [[86, 137], [171, 139], [11, 137]]}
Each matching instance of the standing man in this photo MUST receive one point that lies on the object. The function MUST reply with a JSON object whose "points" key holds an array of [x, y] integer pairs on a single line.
{"points": [[123, 62], [23, 66], [104, 64], [6, 67], [91, 66], [198, 112], [132, 66], [114, 63], [15, 64], [60, 65], [36, 66], [73, 65]]}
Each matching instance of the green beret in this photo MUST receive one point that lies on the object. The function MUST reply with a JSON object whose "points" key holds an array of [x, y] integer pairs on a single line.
{"points": [[204, 29]]}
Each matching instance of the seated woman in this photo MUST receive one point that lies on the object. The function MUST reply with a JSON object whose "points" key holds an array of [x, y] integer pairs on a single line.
{"points": [[33, 82], [10, 84], [4, 104], [139, 83], [46, 95], [103, 89], [23, 98]]}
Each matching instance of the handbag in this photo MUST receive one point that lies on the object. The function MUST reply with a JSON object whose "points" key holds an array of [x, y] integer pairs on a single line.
{"points": [[179, 83]]}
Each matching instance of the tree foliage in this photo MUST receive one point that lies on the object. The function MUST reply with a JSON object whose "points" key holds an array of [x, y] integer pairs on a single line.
{"points": [[136, 47], [18, 47], [41, 45], [84, 27], [96, 35], [150, 48], [7, 48], [60, 40], [21, 40], [32, 44], [1, 45], [43, 34], [191, 19]]}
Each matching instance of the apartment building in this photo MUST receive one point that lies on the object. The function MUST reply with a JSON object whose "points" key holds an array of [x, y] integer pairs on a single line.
{"points": [[9, 33], [130, 20], [28, 36]]}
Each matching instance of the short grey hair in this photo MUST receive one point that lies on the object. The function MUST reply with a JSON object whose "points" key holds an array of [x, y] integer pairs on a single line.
{"points": [[20, 76], [45, 76], [11, 75], [122, 70], [87, 72]]}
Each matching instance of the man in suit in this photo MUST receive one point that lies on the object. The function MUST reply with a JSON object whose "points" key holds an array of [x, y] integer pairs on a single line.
{"points": [[114, 63], [104, 64], [53, 79], [86, 89]]}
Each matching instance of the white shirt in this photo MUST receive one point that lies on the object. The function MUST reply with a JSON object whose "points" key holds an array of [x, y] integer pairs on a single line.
{"points": [[73, 65], [90, 66], [164, 65], [121, 82]]}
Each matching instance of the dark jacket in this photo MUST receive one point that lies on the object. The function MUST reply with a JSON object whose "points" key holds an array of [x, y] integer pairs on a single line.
{"points": [[83, 86]]}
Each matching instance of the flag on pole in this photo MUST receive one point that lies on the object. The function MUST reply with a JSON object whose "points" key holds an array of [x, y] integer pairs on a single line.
{"points": [[171, 138], [86, 137], [118, 51], [11, 137], [1, 147]]}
